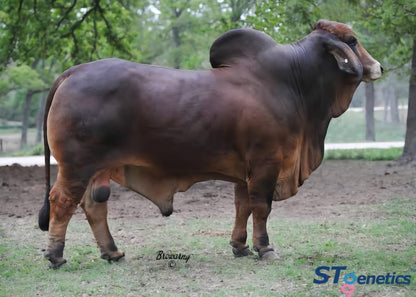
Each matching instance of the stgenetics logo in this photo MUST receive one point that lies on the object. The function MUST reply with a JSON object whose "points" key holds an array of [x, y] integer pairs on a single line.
{"points": [[323, 274]]}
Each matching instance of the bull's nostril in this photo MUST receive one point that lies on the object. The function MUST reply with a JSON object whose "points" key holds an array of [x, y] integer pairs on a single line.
{"points": [[382, 69]]}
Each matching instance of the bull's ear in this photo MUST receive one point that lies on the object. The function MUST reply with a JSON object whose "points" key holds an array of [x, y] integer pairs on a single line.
{"points": [[347, 60]]}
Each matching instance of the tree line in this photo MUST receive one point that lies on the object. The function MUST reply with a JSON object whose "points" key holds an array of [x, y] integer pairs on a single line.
{"points": [[40, 39]]}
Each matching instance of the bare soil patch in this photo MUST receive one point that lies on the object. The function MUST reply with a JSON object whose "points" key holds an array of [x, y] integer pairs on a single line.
{"points": [[333, 186]]}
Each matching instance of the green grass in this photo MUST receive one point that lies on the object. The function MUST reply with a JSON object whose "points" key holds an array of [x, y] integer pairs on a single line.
{"points": [[350, 127], [364, 154], [33, 150], [11, 143], [7, 130], [373, 245]]}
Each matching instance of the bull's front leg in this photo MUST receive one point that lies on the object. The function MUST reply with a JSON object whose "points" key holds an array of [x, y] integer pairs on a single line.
{"points": [[242, 208], [260, 192]]}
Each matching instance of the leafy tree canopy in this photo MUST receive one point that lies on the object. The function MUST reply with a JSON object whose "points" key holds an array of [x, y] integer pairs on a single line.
{"points": [[70, 31]]}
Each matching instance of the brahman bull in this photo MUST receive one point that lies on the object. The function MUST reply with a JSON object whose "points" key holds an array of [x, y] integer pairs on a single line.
{"points": [[258, 119]]}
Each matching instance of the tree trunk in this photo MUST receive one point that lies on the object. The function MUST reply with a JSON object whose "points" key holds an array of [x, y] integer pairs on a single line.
{"points": [[25, 120], [394, 106], [176, 43], [369, 112], [391, 93], [39, 118], [386, 97], [409, 151]]}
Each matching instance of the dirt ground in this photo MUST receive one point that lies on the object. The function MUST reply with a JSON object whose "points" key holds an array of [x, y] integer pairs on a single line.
{"points": [[334, 184]]}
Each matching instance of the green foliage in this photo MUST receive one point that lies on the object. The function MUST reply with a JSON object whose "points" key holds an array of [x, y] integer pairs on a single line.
{"points": [[35, 150], [17, 81], [180, 33], [393, 22], [71, 32], [289, 20], [24, 77], [4, 86], [181, 40], [389, 23]]}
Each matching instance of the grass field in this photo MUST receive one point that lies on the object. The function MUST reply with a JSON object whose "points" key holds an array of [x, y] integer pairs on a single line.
{"points": [[350, 127], [10, 138], [368, 246], [364, 154]]}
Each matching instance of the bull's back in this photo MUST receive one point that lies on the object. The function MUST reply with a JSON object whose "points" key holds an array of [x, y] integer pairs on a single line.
{"points": [[117, 111]]}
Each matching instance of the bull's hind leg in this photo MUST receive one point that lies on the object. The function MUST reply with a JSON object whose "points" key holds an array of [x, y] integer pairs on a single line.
{"points": [[64, 198], [239, 235], [94, 204]]}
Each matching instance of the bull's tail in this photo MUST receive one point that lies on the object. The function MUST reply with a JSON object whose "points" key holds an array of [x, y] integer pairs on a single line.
{"points": [[43, 219]]}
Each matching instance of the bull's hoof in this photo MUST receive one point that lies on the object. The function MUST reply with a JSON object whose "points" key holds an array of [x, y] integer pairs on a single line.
{"points": [[55, 255], [55, 262], [112, 256], [242, 252], [268, 254]]}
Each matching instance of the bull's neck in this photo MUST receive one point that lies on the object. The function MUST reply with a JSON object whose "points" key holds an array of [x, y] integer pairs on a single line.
{"points": [[325, 92], [316, 81], [323, 89], [315, 77]]}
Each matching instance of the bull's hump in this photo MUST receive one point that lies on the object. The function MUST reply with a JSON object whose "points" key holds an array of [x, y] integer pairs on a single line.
{"points": [[239, 45]]}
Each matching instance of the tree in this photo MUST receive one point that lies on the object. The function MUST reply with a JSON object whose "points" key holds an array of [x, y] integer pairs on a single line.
{"points": [[27, 79], [70, 31], [232, 12], [184, 30], [369, 112], [409, 151], [396, 19], [179, 23], [390, 96]]}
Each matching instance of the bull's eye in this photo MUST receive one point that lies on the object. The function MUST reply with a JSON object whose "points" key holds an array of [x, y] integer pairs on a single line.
{"points": [[352, 41]]}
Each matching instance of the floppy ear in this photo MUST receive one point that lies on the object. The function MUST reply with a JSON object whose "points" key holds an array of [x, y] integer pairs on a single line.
{"points": [[347, 60]]}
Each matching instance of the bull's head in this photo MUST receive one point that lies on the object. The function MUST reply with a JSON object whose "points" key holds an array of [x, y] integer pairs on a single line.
{"points": [[351, 56]]}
